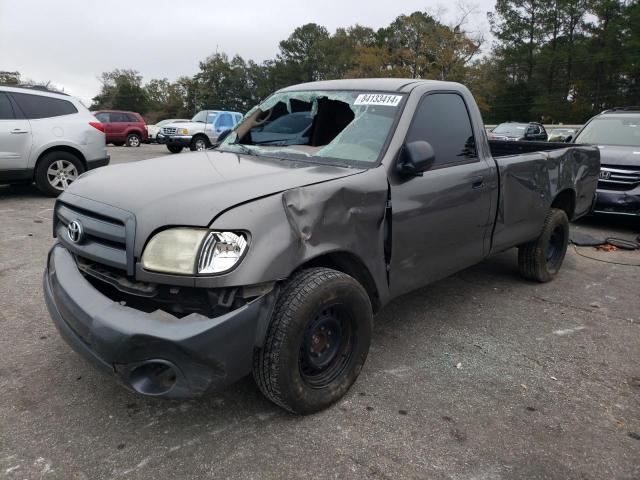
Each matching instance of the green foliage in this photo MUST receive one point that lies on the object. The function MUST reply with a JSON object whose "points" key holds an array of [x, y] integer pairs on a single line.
{"points": [[122, 90], [553, 60], [564, 60]]}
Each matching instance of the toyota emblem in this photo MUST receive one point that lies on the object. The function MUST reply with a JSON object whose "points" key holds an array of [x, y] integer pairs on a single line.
{"points": [[75, 231]]}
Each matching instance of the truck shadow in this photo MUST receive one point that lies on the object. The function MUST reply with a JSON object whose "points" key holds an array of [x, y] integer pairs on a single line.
{"points": [[15, 192]]}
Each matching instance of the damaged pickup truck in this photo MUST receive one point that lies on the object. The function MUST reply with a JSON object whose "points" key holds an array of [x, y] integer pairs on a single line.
{"points": [[270, 254]]}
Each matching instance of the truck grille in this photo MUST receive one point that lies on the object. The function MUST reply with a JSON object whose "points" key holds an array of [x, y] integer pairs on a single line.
{"points": [[106, 238], [615, 177], [169, 130]]}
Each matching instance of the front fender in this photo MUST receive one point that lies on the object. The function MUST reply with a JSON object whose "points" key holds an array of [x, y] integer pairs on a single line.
{"points": [[293, 227]]}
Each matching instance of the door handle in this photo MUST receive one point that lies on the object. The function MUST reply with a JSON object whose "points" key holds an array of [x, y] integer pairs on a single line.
{"points": [[477, 182], [17, 130]]}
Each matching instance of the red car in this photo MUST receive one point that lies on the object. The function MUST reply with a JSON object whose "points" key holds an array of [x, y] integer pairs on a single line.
{"points": [[123, 128]]}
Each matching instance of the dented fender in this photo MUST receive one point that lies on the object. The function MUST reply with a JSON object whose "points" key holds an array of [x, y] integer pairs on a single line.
{"points": [[291, 228]]}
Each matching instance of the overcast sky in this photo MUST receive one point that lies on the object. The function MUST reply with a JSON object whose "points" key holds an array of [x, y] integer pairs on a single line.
{"points": [[70, 42]]}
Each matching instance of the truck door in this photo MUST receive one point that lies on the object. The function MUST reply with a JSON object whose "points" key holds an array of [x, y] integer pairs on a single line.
{"points": [[439, 219], [15, 137]]}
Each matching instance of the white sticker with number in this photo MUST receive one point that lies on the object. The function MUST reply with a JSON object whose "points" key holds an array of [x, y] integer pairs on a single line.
{"points": [[378, 99]]}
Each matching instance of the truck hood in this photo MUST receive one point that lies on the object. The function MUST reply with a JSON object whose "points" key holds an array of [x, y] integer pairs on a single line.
{"points": [[192, 126], [192, 188], [621, 156]]}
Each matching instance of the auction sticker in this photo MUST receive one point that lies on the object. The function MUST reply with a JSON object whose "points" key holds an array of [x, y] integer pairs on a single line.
{"points": [[378, 99]]}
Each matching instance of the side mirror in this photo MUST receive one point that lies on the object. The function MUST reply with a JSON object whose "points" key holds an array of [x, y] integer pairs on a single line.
{"points": [[415, 158]]}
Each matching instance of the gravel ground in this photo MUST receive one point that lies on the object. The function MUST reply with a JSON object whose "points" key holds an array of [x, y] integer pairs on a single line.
{"points": [[482, 375]]}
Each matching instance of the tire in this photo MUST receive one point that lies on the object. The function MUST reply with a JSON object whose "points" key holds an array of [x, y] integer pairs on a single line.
{"points": [[298, 367], [117, 144], [541, 259], [199, 144], [174, 148], [56, 171], [133, 140]]}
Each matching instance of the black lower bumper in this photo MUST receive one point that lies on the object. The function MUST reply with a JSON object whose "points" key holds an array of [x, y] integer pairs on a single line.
{"points": [[176, 141], [152, 353], [618, 202], [98, 162]]}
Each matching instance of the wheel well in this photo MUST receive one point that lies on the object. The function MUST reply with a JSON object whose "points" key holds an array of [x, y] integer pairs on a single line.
{"points": [[62, 148], [137, 132], [565, 200], [200, 135], [351, 265]]}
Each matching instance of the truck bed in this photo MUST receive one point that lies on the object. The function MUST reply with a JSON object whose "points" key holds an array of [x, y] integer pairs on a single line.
{"points": [[504, 148], [531, 176]]}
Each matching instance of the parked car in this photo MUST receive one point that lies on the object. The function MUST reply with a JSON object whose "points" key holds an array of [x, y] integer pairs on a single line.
{"points": [[123, 128], [291, 129], [616, 132], [200, 133], [153, 130], [514, 131], [272, 259], [561, 134], [47, 137]]}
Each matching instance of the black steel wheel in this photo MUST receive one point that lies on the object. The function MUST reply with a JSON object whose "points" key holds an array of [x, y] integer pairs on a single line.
{"points": [[317, 341], [542, 258], [327, 346]]}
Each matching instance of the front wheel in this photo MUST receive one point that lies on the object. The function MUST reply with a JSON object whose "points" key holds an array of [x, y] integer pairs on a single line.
{"points": [[317, 341], [133, 140], [199, 144], [174, 148], [541, 259]]}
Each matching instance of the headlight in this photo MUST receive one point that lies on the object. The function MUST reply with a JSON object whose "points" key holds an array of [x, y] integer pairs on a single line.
{"points": [[221, 251], [188, 251], [185, 131]]}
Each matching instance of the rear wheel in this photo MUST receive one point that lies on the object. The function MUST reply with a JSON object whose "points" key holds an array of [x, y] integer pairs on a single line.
{"points": [[133, 140], [317, 341], [174, 148], [541, 259], [56, 171], [199, 144]]}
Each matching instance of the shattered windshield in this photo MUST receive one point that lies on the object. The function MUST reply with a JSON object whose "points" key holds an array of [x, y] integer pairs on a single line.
{"points": [[343, 127]]}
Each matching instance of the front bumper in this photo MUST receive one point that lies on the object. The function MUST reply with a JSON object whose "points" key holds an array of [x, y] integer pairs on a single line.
{"points": [[618, 202], [152, 353], [174, 140]]}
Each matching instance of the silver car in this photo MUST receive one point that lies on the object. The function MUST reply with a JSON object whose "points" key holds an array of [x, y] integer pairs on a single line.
{"points": [[47, 137]]}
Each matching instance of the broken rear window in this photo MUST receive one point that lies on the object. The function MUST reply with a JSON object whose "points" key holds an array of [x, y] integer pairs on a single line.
{"points": [[344, 127]]}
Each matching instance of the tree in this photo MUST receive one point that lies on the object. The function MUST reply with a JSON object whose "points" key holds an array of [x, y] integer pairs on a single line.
{"points": [[519, 25], [122, 90], [304, 53]]}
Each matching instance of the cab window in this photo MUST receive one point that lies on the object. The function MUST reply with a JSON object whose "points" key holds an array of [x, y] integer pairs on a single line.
{"points": [[442, 120]]}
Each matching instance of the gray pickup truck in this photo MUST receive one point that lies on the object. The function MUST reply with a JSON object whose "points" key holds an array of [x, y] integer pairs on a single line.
{"points": [[181, 275]]}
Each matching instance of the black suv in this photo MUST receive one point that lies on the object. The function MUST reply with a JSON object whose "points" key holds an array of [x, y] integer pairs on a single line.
{"points": [[515, 131], [617, 133]]}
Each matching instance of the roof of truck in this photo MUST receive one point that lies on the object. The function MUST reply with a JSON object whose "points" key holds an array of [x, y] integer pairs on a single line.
{"points": [[380, 84]]}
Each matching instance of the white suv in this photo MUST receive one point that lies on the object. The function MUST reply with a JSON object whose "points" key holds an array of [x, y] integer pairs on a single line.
{"points": [[47, 137]]}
